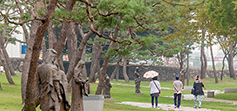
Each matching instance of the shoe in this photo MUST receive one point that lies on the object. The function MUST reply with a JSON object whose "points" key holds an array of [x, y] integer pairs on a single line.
{"points": [[195, 107], [199, 107]]}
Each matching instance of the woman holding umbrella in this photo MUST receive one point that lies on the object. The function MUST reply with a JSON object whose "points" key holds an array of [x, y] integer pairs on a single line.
{"points": [[154, 85], [155, 91]]}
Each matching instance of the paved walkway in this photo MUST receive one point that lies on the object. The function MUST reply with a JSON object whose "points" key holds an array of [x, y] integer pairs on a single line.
{"points": [[165, 106], [191, 97]]}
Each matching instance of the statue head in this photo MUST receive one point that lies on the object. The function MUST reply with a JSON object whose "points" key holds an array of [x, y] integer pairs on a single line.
{"points": [[50, 56], [80, 64], [137, 68]]}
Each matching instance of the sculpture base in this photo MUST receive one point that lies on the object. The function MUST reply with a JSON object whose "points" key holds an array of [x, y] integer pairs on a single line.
{"points": [[93, 103], [139, 93], [109, 99]]}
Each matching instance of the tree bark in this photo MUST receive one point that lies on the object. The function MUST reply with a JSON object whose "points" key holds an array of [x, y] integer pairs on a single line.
{"points": [[203, 58], [51, 36], [5, 54], [83, 57], [116, 69], [79, 53], [125, 70], [223, 66], [213, 65], [30, 88], [43, 47], [181, 60], [96, 65], [77, 103], [27, 60], [231, 66], [8, 76], [93, 64], [105, 64], [64, 30], [72, 47], [8, 61], [84, 73], [3, 61]]}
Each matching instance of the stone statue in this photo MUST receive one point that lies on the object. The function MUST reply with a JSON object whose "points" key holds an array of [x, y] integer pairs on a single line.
{"points": [[79, 84], [137, 80], [21, 66], [51, 85], [107, 87]]}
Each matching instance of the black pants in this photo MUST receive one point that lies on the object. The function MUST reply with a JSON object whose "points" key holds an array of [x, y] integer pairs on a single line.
{"points": [[179, 99]]}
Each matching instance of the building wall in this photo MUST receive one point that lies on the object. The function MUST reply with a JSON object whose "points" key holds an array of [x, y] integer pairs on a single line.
{"points": [[14, 50]]}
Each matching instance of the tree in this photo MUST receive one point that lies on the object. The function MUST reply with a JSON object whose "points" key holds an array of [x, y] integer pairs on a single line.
{"points": [[223, 12], [137, 19], [30, 102]]}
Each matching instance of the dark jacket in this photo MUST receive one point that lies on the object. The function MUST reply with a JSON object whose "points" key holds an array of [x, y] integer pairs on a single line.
{"points": [[197, 85]]}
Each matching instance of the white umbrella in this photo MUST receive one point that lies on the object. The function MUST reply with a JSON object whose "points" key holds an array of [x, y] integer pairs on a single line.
{"points": [[150, 74]]}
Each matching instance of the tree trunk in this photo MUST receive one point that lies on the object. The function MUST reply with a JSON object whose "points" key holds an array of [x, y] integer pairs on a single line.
{"points": [[0, 86], [203, 58], [231, 66], [181, 60], [43, 47], [26, 65], [51, 36], [5, 54], [84, 76], [64, 30], [3, 61], [223, 66], [105, 64], [125, 70], [96, 64], [9, 78], [27, 60], [116, 69], [93, 64], [79, 53], [30, 88], [213, 65], [8, 61], [72, 47], [77, 102], [84, 73]]}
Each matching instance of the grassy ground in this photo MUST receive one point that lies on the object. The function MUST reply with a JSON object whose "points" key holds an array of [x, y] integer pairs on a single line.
{"points": [[121, 91]]}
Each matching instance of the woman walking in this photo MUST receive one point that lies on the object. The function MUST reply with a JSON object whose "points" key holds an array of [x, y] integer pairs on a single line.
{"points": [[197, 85], [155, 91]]}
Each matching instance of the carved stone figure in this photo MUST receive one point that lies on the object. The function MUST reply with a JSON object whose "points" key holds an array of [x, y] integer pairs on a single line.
{"points": [[137, 80], [78, 85], [107, 87], [51, 85], [21, 66]]}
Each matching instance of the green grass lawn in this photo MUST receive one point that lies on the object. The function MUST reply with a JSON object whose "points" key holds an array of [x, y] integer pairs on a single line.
{"points": [[121, 91]]}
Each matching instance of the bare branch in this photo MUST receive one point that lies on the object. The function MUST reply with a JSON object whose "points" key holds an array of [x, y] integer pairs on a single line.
{"points": [[22, 22], [183, 4], [9, 35]]}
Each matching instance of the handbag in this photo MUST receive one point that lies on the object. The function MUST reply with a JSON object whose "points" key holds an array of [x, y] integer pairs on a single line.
{"points": [[192, 91]]}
